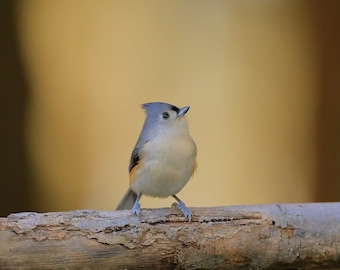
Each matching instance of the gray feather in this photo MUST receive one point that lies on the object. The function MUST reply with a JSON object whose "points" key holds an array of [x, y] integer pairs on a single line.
{"points": [[127, 201]]}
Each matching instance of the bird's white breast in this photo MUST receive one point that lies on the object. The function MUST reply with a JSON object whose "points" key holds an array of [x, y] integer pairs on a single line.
{"points": [[167, 163]]}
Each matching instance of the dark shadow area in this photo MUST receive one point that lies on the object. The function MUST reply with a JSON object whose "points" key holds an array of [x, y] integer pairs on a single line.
{"points": [[326, 19], [14, 173]]}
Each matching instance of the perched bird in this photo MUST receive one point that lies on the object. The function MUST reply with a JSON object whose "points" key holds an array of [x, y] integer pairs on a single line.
{"points": [[164, 157]]}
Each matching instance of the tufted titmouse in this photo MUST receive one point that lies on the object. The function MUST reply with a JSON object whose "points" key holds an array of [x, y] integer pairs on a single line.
{"points": [[163, 159]]}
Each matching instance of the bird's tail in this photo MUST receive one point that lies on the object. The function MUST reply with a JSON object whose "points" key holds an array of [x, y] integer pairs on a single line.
{"points": [[128, 200]]}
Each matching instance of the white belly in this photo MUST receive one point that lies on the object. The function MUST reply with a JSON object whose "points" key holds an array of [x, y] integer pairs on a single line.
{"points": [[165, 170]]}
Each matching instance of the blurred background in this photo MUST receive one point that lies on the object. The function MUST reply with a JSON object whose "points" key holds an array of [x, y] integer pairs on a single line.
{"points": [[262, 79]]}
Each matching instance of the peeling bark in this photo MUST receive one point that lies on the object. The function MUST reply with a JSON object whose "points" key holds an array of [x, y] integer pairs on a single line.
{"points": [[281, 236]]}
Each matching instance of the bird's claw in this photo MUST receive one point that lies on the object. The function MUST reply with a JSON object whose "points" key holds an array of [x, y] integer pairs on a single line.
{"points": [[185, 210], [136, 208]]}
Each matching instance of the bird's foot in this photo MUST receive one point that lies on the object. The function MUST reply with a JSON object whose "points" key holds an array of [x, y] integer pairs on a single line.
{"points": [[185, 210], [136, 208]]}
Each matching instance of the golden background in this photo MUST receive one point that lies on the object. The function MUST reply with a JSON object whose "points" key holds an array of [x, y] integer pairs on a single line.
{"points": [[253, 73]]}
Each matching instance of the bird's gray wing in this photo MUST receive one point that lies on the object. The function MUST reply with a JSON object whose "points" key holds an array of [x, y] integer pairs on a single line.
{"points": [[135, 155]]}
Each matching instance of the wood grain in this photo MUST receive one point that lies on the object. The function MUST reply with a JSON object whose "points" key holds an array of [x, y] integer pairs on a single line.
{"points": [[280, 236]]}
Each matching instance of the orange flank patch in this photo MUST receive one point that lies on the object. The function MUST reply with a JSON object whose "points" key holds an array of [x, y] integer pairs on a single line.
{"points": [[133, 172]]}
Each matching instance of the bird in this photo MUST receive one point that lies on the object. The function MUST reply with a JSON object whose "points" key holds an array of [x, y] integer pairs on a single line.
{"points": [[163, 159]]}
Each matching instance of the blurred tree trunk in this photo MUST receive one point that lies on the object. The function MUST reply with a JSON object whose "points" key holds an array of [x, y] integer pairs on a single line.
{"points": [[14, 173], [326, 22]]}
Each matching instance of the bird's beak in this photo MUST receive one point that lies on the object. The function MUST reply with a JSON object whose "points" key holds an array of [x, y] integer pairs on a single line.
{"points": [[183, 111]]}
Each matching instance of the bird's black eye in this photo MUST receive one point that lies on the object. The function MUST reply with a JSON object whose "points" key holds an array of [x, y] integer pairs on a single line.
{"points": [[165, 115]]}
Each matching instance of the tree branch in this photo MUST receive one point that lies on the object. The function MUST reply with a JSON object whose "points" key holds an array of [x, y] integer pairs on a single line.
{"points": [[280, 236]]}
